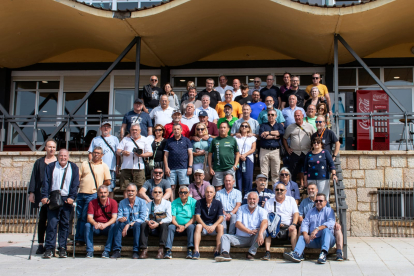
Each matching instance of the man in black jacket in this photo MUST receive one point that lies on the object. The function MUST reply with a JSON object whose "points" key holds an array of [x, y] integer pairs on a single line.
{"points": [[61, 175], [35, 187], [151, 94]]}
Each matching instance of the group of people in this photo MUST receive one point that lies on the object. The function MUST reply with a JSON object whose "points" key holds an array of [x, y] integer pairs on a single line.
{"points": [[205, 148]]}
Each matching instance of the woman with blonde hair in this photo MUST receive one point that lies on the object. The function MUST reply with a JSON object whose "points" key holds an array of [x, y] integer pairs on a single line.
{"points": [[247, 146], [200, 148], [322, 109]]}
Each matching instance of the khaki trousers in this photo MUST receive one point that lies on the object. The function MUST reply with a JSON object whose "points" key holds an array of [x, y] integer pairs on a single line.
{"points": [[270, 159]]}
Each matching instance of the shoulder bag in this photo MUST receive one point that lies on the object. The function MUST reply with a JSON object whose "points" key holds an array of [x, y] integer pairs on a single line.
{"points": [[55, 197], [93, 175], [108, 145]]}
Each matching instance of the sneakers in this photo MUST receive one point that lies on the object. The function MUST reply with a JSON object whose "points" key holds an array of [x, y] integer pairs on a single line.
{"points": [[339, 257], [292, 256], [40, 249], [89, 255], [105, 254], [116, 254], [223, 257], [48, 254], [266, 256], [135, 255], [322, 258], [249, 257], [168, 254], [216, 253], [302, 257], [196, 255], [189, 253], [62, 253]]}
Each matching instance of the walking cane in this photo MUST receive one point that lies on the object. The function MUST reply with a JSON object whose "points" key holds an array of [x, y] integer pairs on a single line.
{"points": [[34, 234], [74, 229]]}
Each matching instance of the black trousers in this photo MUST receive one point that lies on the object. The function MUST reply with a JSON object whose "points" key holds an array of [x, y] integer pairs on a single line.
{"points": [[296, 164], [42, 224], [161, 231], [57, 217]]}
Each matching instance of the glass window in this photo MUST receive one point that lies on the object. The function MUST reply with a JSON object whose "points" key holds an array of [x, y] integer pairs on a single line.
{"points": [[347, 77], [16, 138], [405, 98], [48, 103], [49, 85], [25, 85], [71, 101], [24, 103], [149, 4], [365, 79], [398, 76], [182, 81], [124, 100], [127, 6], [98, 103]]}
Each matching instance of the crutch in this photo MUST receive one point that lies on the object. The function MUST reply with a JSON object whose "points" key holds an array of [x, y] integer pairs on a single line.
{"points": [[74, 229], [34, 233]]}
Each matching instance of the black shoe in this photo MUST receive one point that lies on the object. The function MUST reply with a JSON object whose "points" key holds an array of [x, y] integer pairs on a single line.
{"points": [[116, 254], [266, 256], [135, 255], [48, 254], [62, 253], [40, 249]]}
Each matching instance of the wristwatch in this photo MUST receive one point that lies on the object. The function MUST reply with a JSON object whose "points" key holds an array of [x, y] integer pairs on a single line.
{"points": [[190, 167], [317, 228]]}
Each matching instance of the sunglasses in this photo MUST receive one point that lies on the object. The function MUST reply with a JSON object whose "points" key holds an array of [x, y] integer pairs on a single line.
{"points": [[319, 122], [284, 174], [154, 80], [272, 115], [158, 130], [159, 192], [200, 129], [256, 81], [315, 78], [183, 193], [157, 172], [279, 190], [316, 142], [318, 201], [245, 126]]}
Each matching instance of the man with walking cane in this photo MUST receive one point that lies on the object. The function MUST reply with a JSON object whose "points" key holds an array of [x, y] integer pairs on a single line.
{"points": [[35, 189], [60, 189]]}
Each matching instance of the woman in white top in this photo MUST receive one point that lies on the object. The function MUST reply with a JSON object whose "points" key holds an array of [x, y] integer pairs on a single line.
{"points": [[247, 147], [174, 103]]}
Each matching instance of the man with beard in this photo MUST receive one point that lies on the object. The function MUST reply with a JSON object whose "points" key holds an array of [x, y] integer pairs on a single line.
{"points": [[228, 111], [328, 137]]}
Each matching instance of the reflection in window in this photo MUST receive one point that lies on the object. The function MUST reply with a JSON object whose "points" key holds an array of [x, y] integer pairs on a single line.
{"points": [[182, 81], [404, 96], [48, 103], [403, 75], [365, 79], [24, 103], [124, 100]]}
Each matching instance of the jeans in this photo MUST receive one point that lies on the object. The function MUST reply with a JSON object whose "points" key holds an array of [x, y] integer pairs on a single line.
{"points": [[189, 232], [134, 231], [82, 202], [180, 176], [228, 240], [113, 182], [326, 241], [90, 231], [161, 231], [57, 217], [244, 180], [232, 224]]}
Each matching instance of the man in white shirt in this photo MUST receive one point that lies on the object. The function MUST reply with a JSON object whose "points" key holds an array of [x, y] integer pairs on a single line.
{"points": [[223, 86], [287, 208], [212, 113], [162, 114], [133, 149], [189, 118], [236, 88]]}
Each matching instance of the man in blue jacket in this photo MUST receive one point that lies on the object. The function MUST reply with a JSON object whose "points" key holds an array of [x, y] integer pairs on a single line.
{"points": [[61, 175]]}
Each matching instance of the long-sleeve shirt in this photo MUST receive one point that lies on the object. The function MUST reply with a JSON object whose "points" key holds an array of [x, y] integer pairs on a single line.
{"points": [[315, 218], [317, 166], [137, 213], [160, 212]]}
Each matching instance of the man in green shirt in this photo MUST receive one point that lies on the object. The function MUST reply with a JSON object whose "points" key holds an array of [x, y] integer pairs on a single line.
{"points": [[311, 116], [182, 211], [228, 110], [226, 155]]}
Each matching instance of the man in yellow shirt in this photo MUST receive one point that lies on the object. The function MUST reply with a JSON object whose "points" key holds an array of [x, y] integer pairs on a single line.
{"points": [[228, 99], [323, 90]]}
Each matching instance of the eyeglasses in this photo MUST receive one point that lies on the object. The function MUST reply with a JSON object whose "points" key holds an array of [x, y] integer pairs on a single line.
{"points": [[256, 81], [200, 129], [183, 193], [245, 126], [284, 174], [155, 192], [279, 190], [316, 142], [315, 78], [272, 115], [154, 80], [318, 201], [294, 80], [157, 130], [157, 172], [269, 79], [98, 153], [319, 122]]}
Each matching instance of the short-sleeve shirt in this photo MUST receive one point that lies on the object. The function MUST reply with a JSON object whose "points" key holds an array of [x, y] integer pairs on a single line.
{"points": [[272, 91], [285, 210], [212, 113], [306, 205], [150, 185], [184, 104], [215, 97], [190, 122], [161, 116], [87, 183], [254, 125], [292, 189], [222, 90], [229, 200], [109, 158], [300, 94], [202, 145], [132, 161], [142, 118], [251, 221], [231, 123], [211, 128], [289, 115], [242, 101], [263, 117], [264, 195], [169, 130], [151, 95], [245, 144], [311, 121], [328, 139], [256, 109], [178, 152], [193, 190], [183, 213], [110, 207], [224, 151], [209, 215], [323, 90], [299, 137], [237, 109]]}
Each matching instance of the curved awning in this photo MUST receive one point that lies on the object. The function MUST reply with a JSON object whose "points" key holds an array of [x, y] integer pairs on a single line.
{"points": [[185, 31]]}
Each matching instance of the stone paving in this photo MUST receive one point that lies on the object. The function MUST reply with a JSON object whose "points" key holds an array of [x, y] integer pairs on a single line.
{"points": [[367, 256]]}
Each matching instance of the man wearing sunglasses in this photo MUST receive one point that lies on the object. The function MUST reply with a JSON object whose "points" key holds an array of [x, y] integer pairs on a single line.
{"points": [[182, 224], [156, 223], [317, 231], [291, 187], [157, 181], [328, 137], [150, 94], [257, 86], [323, 90], [287, 208]]}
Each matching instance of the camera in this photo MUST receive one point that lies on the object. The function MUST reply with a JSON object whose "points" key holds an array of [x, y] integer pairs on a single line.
{"points": [[137, 151]]}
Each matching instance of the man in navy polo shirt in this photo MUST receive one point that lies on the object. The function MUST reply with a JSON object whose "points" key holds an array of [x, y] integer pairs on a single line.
{"points": [[137, 116], [271, 90], [178, 159]]}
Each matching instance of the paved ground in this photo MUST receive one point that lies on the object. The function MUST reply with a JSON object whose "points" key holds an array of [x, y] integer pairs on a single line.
{"points": [[367, 256]]}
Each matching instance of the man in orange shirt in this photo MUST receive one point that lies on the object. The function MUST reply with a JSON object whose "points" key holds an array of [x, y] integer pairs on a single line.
{"points": [[176, 119], [228, 99]]}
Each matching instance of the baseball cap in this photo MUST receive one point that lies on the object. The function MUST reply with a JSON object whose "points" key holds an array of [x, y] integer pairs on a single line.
{"points": [[176, 111], [199, 171], [261, 176], [106, 123], [229, 105], [138, 101], [203, 113]]}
